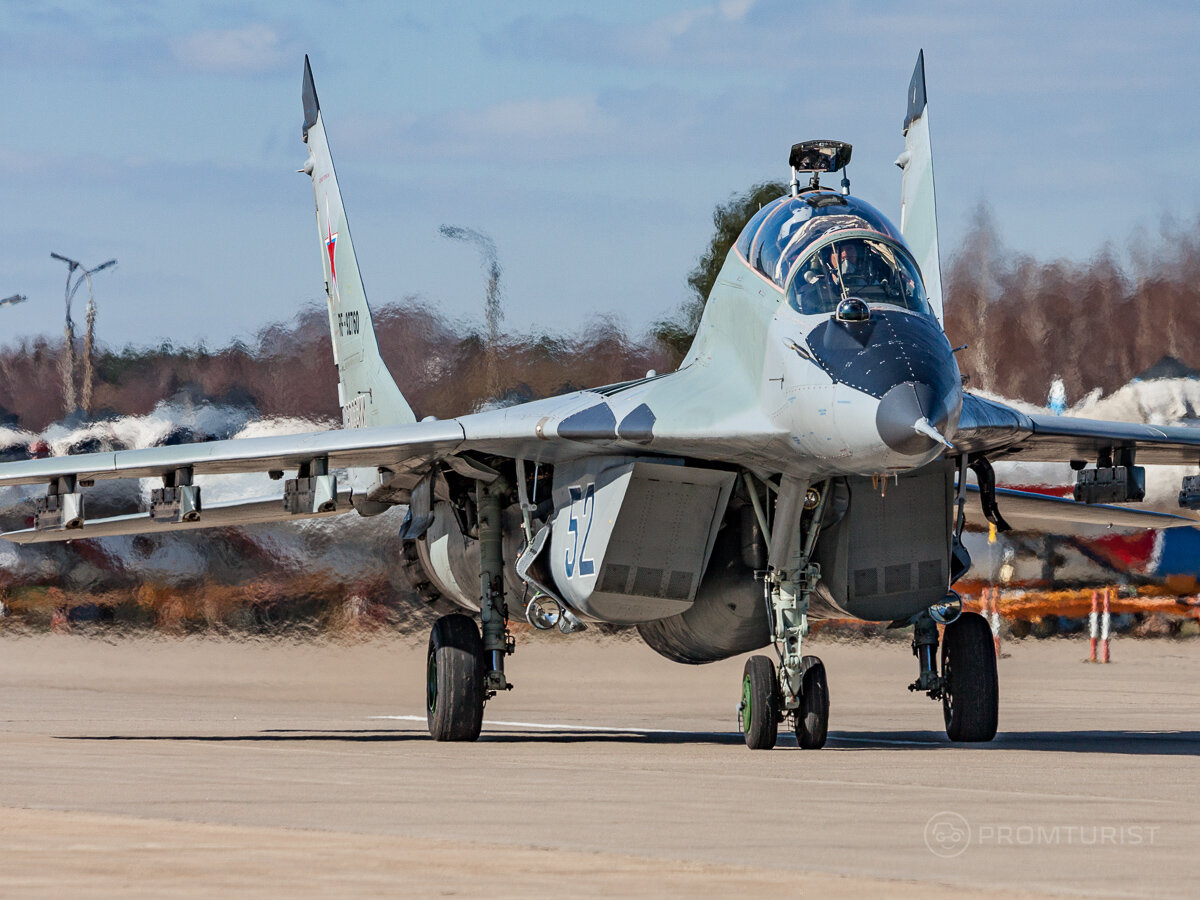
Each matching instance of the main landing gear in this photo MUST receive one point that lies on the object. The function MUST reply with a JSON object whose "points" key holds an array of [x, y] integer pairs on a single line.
{"points": [[968, 686], [454, 691], [465, 668], [799, 691]]}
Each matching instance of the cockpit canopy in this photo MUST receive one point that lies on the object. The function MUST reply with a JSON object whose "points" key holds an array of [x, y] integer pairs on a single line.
{"points": [[856, 266], [822, 247]]}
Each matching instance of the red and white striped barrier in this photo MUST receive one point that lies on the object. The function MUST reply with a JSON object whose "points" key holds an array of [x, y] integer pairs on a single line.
{"points": [[1100, 625], [1105, 626]]}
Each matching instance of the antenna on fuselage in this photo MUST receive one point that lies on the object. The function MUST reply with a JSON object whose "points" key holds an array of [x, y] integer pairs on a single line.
{"points": [[817, 157]]}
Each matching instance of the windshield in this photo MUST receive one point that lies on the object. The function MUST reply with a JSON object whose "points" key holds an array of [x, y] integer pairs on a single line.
{"points": [[872, 270], [784, 230]]}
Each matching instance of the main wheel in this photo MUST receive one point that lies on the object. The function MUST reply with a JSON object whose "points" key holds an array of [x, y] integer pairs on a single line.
{"points": [[812, 718], [759, 708], [454, 692], [970, 688]]}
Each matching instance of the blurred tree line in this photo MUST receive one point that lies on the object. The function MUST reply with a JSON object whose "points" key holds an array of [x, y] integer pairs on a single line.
{"points": [[288, 370], [1095, 323]]}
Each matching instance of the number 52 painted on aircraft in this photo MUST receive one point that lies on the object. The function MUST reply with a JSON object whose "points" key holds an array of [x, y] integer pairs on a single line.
{"points": [[576, 562]]}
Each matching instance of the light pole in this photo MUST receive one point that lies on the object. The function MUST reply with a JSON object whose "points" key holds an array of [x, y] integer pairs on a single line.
{"points": [[68, 362], [493, 303]]}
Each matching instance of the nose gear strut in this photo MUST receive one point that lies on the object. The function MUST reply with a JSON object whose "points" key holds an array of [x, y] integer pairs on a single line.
{"points": [[799, 691]]}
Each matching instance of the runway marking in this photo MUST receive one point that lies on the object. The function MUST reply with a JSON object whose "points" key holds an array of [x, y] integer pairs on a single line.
{"points": [[559, 727]]}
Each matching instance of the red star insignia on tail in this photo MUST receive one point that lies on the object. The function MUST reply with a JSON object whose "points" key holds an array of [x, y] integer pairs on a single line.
{"points": [[330, 243]]}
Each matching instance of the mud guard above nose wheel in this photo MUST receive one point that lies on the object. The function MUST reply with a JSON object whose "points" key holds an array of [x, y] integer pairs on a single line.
{"points": [[454, 691], [970, 687]]}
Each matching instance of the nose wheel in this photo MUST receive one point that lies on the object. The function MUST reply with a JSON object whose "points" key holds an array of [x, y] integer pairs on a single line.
{"points": [[758, 712], [761, 709], [812, 716]]}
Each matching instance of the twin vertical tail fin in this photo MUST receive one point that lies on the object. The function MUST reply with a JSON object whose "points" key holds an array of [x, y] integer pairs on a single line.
{"points": [[366, 391], [918, 207]]}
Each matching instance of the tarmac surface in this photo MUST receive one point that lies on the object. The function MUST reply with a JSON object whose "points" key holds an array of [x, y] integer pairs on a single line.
{"points": [[170, 767]]}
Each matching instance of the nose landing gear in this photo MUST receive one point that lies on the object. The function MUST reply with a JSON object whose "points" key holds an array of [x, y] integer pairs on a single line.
{"points": [[799, 690], [761, 709]]}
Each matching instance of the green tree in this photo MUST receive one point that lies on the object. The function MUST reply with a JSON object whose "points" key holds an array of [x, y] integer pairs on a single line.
{"points": [[729, 218]]}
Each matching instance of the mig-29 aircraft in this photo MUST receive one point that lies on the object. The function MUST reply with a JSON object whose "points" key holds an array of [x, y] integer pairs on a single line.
{"points": [[807, 460]]}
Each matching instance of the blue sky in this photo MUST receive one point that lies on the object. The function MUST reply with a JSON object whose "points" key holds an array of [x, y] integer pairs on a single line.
{"points": [[591, 141]]}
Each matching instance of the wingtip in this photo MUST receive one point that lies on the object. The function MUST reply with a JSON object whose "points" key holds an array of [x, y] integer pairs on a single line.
{"points": [[916, 92], [309, 94]]}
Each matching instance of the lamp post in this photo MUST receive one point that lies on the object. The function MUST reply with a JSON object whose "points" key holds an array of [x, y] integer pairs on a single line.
{"points": [[493, 306], [68, 362]]}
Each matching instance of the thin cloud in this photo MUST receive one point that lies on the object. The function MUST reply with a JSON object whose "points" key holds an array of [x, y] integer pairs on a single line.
{"points": [[251, 49]]}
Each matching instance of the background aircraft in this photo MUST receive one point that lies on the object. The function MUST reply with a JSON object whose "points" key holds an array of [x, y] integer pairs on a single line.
{"points": [[809, 458]]}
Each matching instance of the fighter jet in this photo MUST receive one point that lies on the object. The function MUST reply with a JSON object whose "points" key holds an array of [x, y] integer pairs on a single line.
{"points": [[808, 459]]}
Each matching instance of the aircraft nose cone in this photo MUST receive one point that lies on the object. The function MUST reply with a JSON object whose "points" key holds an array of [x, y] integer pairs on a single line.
{"points": [[905, 362], [905, 405]]}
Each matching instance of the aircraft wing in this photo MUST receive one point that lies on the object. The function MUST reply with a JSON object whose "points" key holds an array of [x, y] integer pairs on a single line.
{"points": [[216, 515], [1001, 432], [398, 450], [398, 445], [616, 419]]}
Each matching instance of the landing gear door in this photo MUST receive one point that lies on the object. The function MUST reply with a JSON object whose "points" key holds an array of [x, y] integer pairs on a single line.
{"points": [[631, 539]]}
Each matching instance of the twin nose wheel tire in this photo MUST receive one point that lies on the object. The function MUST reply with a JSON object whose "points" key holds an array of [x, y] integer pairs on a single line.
{"points": [[761, 707]]}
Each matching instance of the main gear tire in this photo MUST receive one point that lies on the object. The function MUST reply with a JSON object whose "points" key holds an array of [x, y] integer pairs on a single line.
{"points": [[970, 687], [759, 709], [454, 691]]}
